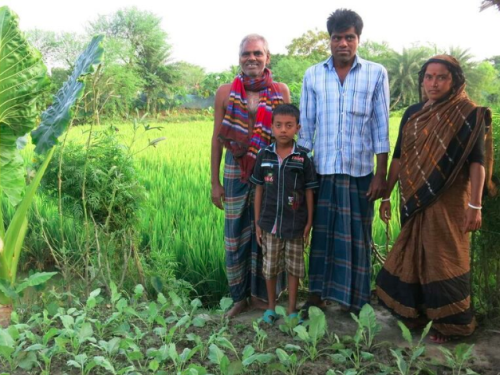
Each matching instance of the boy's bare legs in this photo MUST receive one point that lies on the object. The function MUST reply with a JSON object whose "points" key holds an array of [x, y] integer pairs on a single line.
{"points": [[293, 287], [271, 293]]}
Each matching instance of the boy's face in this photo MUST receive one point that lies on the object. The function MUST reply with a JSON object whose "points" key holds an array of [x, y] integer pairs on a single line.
{"points": [[284, 129]]}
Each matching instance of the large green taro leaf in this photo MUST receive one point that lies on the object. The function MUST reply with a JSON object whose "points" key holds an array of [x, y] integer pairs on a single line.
{"points": [[56, 119], [23, 78]]}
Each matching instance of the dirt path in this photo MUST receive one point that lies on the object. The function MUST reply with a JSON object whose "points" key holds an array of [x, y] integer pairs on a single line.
{"points": [[486, 342]]}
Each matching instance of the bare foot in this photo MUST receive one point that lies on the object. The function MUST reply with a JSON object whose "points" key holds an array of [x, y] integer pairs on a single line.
{"points": [[237, 308], [256, 303], [345, 309]]}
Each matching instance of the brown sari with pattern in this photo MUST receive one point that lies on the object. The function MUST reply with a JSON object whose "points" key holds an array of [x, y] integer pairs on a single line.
{"points": [[427, 272]]}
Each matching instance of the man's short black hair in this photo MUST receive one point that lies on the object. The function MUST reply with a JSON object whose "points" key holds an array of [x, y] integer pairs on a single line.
{"points": [[287, 109], [343, 19]]}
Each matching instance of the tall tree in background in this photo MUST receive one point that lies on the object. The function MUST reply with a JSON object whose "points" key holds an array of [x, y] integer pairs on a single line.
{"points": [[473, 77], [315, 45], [140, 43], [403, 75], [376, 52]]}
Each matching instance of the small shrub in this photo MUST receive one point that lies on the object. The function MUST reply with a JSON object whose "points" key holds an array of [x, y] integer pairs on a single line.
{"points": [[112, 187]]}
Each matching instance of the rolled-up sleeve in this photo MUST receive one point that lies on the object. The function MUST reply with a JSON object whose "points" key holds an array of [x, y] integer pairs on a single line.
{"points": [[307, 113], [380, 119]]}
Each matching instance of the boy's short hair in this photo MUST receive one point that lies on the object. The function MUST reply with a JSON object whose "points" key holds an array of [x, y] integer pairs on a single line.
{"points": [[287, 109]]}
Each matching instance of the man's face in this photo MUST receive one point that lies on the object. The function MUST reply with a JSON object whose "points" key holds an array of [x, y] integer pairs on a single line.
{"points": [[344, 45], [253, 58]]}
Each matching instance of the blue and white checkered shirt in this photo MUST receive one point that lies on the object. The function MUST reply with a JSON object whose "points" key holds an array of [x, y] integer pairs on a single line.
{"points": [[345, 124]]}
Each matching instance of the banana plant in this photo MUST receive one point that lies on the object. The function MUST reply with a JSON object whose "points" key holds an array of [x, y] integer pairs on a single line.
{"points": [[23, 78]]}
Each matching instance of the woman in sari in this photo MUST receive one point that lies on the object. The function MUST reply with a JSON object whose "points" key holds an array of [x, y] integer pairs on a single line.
{"points": [[438, 160]]}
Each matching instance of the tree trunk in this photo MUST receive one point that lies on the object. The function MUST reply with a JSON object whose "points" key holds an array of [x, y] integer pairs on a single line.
{"points": [[5, 312]]}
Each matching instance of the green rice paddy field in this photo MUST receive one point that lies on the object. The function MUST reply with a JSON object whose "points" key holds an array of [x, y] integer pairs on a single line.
{"points": [[179, 222]]}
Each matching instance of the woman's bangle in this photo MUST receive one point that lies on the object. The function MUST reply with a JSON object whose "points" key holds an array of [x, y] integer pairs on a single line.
{"points": [[475, 207], [386, 200]]}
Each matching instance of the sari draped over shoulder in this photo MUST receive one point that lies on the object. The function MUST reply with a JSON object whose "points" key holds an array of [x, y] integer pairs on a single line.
{"points": [[427, 272]]}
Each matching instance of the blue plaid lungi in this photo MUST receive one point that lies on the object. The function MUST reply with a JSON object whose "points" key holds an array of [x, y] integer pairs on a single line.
{"points": [[339, 265], [243, 255]]}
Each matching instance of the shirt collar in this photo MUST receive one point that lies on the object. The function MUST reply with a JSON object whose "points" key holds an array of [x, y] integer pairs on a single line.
{"points": [[272, 147], [328, 63]]}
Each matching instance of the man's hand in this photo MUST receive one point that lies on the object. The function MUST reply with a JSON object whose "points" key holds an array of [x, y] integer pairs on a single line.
{"points": [[472, 220], [218, 196], [385, 211], [307, 232], [258, 235], [377, 188]]}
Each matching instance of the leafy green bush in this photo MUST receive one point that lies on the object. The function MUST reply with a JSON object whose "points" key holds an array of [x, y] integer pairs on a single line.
{"points": [[485, 248], [112, 187]]}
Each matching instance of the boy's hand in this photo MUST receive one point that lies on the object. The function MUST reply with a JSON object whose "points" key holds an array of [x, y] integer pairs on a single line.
{"points": [[258, 235], [307, 232]]}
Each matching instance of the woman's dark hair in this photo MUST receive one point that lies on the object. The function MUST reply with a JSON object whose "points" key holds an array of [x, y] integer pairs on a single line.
{"points": [[457, 74], [287, 109], [343, 19]]}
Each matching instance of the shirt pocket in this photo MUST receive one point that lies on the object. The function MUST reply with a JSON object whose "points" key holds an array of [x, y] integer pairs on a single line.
{"points": [[361, 106], [295, 177]]}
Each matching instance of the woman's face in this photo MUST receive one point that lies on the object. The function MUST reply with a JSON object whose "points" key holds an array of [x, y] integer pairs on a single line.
{"points": [[437, 81]]}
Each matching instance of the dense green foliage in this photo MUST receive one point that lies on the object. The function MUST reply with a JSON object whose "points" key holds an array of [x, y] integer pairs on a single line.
{"points": [[485, 248], [111, 182]]}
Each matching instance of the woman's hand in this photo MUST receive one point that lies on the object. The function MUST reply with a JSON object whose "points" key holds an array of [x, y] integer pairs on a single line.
{"points": [[472, 220], [385, 211]]}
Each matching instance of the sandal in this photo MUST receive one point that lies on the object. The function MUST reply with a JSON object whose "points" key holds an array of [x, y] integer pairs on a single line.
{"points": [[439, 338], [296, 315], [270, 317]]}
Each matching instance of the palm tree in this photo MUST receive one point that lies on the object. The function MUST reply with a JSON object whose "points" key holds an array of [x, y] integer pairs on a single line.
{"points": [[489, 3], [469, 67], [403, 74]]}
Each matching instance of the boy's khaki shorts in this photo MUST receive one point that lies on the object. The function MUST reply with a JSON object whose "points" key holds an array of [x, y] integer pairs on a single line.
{"points": [[278, 252]]}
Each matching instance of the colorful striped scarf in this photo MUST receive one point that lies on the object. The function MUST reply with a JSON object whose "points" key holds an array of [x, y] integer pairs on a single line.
{"points": [[234, 131]]}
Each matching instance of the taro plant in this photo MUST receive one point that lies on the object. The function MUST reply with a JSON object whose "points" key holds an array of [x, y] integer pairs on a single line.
{"points": [[23, 78]]}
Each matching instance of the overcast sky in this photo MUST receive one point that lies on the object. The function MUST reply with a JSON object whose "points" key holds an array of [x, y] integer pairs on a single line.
{"points": [[208, 33]]}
